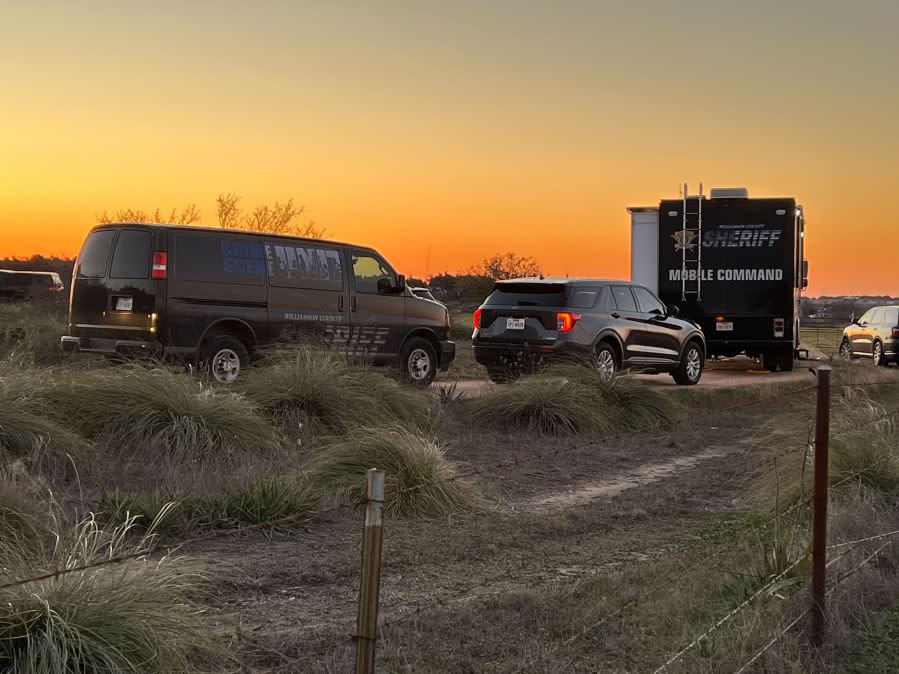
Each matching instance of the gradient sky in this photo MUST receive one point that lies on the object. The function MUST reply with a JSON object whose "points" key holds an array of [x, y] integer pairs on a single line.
{"points": [[472, 127]]}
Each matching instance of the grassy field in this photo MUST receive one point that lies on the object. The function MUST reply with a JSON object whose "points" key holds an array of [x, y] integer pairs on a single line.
{"points": [[559, 524]]}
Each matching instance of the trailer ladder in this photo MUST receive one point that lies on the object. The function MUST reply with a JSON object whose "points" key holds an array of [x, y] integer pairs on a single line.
{"points": [[691, 246]]}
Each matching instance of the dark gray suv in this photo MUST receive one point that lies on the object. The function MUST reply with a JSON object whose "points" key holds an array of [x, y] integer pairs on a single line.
{"points": [[612, 324]]}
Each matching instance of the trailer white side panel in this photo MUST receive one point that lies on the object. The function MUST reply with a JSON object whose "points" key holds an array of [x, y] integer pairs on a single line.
{"points": [[645, 248]]}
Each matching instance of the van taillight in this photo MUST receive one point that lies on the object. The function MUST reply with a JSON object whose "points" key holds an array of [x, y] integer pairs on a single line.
{"points": [[565, 320], [160, 265], [477, 318], [779, 327]]}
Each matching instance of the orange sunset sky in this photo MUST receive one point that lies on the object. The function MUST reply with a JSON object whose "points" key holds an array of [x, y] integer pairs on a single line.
{"points": [[469, 127]]}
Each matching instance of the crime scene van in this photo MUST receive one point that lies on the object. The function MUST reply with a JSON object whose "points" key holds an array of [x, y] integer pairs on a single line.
{"points": [[733, 264], [212, 297]]}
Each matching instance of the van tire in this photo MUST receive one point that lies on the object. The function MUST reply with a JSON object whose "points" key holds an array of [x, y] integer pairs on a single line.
{"points": [[778, 359], [224, 358], [692, 363], [418, 362]]}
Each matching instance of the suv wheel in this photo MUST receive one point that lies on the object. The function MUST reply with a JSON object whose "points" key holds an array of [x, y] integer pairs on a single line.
{"points": [[878, 354], [223, 358], [689, 372], [418, 362], [845, 349], [606, 361]]}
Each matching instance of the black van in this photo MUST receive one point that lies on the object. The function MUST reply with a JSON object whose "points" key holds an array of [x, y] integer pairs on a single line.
{"points": [[213, 296]]}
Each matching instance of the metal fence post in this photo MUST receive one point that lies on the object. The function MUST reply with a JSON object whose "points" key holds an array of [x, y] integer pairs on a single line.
{"points": [[370, 577], [819, 514]]}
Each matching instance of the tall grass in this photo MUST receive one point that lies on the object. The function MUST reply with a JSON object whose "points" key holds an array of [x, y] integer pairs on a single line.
{"points": [[131, 617], [314, 391], [28, 427], [30, 333], [289, 500], [571, 400], [419, 480], [147, 411]]}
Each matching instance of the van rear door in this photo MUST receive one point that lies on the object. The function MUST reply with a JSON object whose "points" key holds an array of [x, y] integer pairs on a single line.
{"points": [[113, 295]]}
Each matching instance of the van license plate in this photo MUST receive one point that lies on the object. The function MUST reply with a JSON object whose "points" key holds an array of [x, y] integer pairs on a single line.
{"points": [[124, 303], [725, 326], [514, 324]]}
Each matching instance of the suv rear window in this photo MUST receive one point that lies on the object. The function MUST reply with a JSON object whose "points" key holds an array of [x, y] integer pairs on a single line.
{"points": [[527, 295], [132, 255], [95, 254]]}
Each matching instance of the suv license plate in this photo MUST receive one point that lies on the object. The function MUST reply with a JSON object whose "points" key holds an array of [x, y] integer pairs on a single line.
{"points": [[514, 324], [726, 326]]}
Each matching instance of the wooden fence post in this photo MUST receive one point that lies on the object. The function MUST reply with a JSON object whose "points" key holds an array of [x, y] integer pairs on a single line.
{"points": [[370, 577], [819, 513]]}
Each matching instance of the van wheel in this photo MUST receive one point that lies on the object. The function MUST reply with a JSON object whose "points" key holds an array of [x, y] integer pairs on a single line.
{"points": [[418, 362], [223, 358], [689, 371], [778, 359]]}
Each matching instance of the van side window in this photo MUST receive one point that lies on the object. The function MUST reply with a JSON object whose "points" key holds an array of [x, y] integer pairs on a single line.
{"points": [[95, 254], [132, 255], [368, 270], [209, 258], [295, 266], [624, 298]]}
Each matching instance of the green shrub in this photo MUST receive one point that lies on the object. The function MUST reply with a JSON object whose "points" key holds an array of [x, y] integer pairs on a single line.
{"points": [[131, 617], [314, 391], [145, 411], [419, 480]]}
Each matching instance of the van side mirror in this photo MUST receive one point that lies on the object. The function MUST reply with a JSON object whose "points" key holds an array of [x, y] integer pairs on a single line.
{"points": [[389, 286], [673, 310]]}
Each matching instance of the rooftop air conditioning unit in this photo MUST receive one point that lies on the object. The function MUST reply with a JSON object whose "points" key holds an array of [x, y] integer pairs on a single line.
{"points": [[730, 193]]}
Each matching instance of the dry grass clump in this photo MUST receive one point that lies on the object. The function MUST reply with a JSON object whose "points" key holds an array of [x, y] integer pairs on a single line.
{"points": [[28, 424], [572, 400], [419, 480], [131, 617], [148, 411], [29, 335], [292, 501], [314, 391]]}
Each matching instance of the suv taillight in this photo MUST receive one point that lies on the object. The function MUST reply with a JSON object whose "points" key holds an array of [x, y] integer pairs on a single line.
{"points": [[160, 265], [565, 320], [895, 333], [476, 319]]}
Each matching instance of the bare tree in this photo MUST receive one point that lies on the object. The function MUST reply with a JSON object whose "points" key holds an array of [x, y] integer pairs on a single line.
{"points": [[279, 218], [507, 265], [186, 216]]}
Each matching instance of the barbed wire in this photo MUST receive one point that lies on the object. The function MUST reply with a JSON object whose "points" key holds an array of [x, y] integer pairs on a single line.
{"points": [[151, 549], [780, 635]]}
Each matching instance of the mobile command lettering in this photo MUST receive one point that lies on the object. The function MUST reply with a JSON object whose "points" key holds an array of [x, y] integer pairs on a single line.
{"points": [[734, 265]]}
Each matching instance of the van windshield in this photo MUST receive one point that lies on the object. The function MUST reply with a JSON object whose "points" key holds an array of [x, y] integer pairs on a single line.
{"points": [[527, 295]]}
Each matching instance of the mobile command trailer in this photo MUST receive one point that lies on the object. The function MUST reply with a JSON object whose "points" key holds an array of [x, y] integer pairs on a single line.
{"points": [[732, 264]]}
